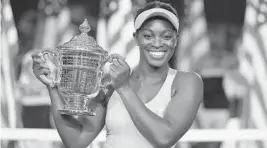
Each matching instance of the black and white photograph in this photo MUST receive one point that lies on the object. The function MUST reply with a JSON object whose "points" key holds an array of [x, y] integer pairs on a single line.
{"points": [[133, 74]]}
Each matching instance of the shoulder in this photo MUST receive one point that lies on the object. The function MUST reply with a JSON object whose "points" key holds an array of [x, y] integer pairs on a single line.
{"points": [[189, 78], [188, 82], [187, 94]]}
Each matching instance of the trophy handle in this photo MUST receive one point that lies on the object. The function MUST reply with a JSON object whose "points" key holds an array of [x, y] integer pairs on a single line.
{"points": [[105, 77], [54, 66]]}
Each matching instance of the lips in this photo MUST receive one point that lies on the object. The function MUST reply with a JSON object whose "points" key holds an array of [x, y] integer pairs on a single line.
{"points": [[157, 54]]}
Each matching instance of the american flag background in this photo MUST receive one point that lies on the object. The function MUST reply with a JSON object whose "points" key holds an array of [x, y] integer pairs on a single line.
{"points": [[118, 34], [53, 22], [9, 50], [253, 59], [10, 109]]}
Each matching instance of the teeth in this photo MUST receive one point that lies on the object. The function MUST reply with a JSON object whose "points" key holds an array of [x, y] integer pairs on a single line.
{"points": [[156, 53]]}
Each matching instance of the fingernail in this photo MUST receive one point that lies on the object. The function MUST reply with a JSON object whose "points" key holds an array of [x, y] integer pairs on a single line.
{"points": [[46, 56]]}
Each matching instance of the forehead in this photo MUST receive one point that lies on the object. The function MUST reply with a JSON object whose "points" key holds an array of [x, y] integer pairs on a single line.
{"points": [[157, 23]]}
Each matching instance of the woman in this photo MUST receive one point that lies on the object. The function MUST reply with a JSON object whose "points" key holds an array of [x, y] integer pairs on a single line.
{"points": [[152, 106]]}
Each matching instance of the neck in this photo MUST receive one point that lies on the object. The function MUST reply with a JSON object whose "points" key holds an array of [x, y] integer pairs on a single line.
{"points": [[146, 72]]}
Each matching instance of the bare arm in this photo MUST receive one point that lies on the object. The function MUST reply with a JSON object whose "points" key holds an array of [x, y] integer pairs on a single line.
{"points": [[180, 113], [77, 132]]}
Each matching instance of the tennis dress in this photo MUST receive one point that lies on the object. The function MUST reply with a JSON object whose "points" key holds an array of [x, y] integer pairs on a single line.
{"points": [[121, 131]]}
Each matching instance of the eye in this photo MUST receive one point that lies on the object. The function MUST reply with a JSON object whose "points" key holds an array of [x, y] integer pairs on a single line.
{"points": [[147, 36], [167, 37]]}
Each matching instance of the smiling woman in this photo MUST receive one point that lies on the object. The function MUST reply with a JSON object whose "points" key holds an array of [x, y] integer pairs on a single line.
{"points": [[157, 39], [140, 108], [150, 97]]}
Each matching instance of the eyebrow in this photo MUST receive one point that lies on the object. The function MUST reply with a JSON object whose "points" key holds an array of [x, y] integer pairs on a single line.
{"points": [[171, 30]]}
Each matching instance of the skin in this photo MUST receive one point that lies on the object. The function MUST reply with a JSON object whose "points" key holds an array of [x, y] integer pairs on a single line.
{"points": [[157, 35], [148, 76], [75, 132]]}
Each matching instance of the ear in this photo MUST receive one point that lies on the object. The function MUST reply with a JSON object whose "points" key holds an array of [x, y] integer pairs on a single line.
{"points": [[134, 34], [177, 36], [135, 38], [176, 41]]}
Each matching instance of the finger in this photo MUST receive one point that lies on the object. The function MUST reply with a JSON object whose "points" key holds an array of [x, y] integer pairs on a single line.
{"points": [[115, 56], [49, 62], [40, 56], [44, 71], [37, 60], [36, 53], [122, 62], [46, 57], [113, 75], [40, 70], [113, 68], [39, 65], [116, 63], [44, 65], [46, 80]]}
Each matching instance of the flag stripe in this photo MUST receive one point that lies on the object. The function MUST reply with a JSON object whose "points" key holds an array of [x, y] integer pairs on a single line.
{"points": [[9, 49], [254, 67]]}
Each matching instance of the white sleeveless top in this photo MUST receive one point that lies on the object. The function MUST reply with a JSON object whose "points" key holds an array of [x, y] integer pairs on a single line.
{"points": [[121, 131]]}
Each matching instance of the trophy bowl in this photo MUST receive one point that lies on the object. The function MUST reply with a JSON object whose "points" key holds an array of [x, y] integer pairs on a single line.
{"points": [[79, 71]]}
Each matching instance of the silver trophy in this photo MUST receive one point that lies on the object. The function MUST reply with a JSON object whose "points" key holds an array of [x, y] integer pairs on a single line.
{"points": [[79, 71]]}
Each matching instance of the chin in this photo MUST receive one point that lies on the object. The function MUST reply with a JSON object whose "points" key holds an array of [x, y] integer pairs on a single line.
{"points": [[156, 64]]}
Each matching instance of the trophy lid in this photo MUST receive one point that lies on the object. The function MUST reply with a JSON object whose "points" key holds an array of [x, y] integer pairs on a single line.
{"points": [[83, 41]]}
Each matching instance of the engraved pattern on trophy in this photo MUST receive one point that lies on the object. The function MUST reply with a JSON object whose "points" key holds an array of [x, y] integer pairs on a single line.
{"points": [[80, 76]]}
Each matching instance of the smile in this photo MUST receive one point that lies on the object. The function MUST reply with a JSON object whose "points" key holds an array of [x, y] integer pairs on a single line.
{"points": [[157, 54]]}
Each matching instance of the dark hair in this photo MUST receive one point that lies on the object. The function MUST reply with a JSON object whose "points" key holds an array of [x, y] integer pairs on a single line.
{"points": [[156, 4]]}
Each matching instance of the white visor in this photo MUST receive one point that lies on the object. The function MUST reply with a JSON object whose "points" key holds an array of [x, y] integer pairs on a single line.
{"points": [[142, 17]]}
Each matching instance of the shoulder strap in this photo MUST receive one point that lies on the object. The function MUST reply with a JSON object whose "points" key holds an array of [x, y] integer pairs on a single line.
{"points": [[165, 92]]}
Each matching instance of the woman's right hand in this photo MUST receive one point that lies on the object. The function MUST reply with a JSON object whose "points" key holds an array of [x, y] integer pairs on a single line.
{"points": [[43, 67]]}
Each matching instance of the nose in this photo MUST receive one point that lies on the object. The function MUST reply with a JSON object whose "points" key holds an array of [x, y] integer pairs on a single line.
{"points": [[157, 43]]}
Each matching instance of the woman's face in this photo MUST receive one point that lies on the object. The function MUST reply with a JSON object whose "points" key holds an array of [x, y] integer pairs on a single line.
{"points": [[157, 40]]}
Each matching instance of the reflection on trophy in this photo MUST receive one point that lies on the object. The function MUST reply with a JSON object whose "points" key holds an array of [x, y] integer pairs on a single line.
{"points": [[79, 72]]}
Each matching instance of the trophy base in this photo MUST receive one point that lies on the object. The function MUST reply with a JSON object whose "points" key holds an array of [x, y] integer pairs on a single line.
{"points": [[76, 112]]}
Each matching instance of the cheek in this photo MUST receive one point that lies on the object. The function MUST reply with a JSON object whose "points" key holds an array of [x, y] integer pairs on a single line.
{"points": [[170, 47], [172, 43], [170, 52], [144, 44]]}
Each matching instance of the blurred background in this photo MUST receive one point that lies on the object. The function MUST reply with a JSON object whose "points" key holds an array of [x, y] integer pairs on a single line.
{"points": [[225, 41]]}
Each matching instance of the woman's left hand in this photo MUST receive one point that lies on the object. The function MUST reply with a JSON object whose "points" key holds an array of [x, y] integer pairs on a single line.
{"points": [[119, 73]]}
